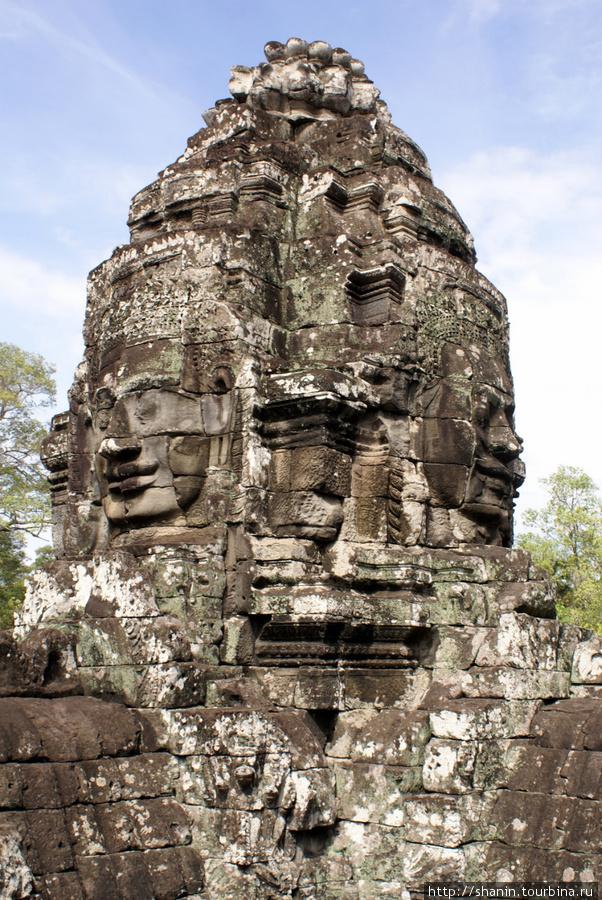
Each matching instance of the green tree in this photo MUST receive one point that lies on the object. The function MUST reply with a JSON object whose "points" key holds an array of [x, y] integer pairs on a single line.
{"points": [[565, 538], [13, 568], [26, 387]]}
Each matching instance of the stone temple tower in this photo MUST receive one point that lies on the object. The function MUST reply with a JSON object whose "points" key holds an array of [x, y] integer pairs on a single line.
{"points": [[286, 649]]}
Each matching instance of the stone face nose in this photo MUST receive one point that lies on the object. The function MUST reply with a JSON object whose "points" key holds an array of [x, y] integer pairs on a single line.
{"points": [[503, 442], [117, 448]]}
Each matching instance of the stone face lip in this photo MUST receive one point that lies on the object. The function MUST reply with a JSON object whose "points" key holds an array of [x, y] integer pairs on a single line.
{"points": [[286, 650]]}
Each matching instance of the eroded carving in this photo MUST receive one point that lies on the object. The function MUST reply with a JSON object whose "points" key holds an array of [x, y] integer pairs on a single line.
{"points": [[312, 665]]}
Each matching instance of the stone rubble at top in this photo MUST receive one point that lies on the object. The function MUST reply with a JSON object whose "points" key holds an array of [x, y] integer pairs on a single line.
{"points": [[307, 81]]}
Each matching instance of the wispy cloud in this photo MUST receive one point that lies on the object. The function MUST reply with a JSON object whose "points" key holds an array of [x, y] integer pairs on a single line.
{"points": [[25, 284], [17, 22], [72, 37], [537, 226], [523, 201], [479, 11], [566, 89], [41, 310], [81, 180]]}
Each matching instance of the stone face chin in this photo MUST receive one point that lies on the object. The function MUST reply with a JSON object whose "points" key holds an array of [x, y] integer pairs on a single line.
{"points": [[286, 649]]}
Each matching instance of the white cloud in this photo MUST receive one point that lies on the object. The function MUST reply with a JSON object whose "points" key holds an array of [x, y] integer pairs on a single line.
{"points": [[42, 310], [537, 226], [72, 181], [27, 285], [480, 10]]}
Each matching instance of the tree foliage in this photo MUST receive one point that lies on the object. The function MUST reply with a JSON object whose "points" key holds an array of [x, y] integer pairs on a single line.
{"points": [[26, 387], [565, 538], [13, 568]]}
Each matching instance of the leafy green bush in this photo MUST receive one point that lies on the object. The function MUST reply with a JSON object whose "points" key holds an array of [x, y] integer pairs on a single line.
{"points": [[565, 538]]}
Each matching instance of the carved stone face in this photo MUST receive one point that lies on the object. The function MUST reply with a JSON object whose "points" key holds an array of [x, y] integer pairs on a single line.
{"points": [[133, 462], [471, 449], [494, 477], [156, 444], [497, 472]]}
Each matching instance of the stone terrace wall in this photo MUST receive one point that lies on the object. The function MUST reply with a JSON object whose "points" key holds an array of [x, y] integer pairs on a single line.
{"points": [[319, 782]]}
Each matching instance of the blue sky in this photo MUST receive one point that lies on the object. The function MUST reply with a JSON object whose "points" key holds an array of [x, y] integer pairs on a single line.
{"points": [[503, 95]]}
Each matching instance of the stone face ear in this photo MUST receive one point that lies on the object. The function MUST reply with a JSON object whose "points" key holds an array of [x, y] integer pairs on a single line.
{"points": [[241, 82]]}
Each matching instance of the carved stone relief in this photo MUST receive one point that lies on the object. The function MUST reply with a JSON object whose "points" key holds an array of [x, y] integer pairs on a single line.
{"points": [[286, 649]]}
